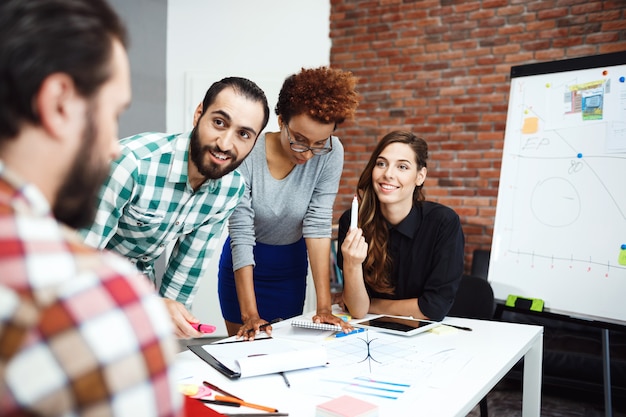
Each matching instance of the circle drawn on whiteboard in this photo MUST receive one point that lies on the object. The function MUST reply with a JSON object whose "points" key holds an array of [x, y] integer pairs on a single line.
{"points": [[555, 202]]}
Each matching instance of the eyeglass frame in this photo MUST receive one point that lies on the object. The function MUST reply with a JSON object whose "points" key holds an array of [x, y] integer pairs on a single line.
{"points": [[304, 148]]}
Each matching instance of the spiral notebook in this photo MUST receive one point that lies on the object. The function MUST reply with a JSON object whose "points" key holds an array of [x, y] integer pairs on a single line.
{"points": [[308, 324]]}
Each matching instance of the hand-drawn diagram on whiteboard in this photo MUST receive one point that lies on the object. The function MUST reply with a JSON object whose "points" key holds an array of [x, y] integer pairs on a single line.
{"points": [[560, 229]]}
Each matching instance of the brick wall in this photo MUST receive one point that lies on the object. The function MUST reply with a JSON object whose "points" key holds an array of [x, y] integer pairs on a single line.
{"points": [[440, 68]]}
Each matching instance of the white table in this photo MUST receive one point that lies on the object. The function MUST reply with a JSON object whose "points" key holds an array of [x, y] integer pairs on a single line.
{"points": [[469, 364]]}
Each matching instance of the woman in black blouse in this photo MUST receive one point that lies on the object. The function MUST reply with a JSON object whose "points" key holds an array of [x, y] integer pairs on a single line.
{"points": [[406, 256]]}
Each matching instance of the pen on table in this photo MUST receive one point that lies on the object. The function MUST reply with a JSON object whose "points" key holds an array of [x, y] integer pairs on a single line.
{"points": [[447, 324], [254, 414], [264, 325], [354, 213], [245, 404], [285, 379], [256, 339], [215, 402], [458, 327], [218, 389]]}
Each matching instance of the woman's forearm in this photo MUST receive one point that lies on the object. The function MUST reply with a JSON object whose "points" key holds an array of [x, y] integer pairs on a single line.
{"points": [[245, 293], [406, 307], [355, 295]]}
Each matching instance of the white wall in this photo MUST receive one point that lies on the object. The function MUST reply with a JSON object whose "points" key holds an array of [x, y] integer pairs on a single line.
{"points": [[264, 41]]}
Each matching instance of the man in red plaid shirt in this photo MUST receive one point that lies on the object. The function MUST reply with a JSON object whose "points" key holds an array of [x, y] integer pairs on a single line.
{"points": [[81, 332]]}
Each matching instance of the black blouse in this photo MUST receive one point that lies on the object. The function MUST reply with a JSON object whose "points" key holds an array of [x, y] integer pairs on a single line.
{"points": [[427, 250]]}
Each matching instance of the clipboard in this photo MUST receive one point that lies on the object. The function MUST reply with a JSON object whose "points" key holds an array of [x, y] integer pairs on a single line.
{"points": [[240, 359], [211, 360]]}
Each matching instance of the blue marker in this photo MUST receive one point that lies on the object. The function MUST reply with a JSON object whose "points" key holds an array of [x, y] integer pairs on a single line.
{"points": [[356, 330]]}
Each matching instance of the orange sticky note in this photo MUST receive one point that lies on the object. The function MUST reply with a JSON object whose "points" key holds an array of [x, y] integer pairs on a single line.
{"points": [[531, 125]]}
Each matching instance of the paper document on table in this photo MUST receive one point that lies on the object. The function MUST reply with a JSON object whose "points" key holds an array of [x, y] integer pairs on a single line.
{"points": [[260, 357], [379, 353]]}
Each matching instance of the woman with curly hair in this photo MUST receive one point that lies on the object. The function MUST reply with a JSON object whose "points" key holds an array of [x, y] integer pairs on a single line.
{"points": [[406, 258], [292, 177]]}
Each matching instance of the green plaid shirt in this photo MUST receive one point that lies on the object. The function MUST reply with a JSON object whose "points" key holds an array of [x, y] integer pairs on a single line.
{"points": [[147, 203]]}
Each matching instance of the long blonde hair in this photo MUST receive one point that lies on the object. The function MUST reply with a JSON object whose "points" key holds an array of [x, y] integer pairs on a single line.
{"points": [[378, 264]]}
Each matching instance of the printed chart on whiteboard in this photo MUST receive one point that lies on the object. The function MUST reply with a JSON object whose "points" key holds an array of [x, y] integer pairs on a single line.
{"points": [[560, 228]]}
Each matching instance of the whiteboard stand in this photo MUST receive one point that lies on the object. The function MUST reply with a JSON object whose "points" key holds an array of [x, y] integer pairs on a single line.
{"points": [[558, 192], [604, 334], [606, 362]]}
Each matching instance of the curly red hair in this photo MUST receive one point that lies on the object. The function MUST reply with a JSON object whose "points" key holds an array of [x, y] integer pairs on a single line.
{"points": [[326, 94]]}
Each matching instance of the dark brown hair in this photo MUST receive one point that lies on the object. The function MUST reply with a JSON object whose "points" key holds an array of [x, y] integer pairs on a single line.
{"points": [[378, 265], [42, 37], [242, 86]]}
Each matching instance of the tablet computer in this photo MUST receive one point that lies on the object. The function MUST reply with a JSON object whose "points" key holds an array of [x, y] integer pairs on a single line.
{"points": [[404, 326]]}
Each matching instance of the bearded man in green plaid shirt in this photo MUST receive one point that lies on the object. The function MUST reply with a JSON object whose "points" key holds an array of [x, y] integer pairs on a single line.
{"points": [[181, 189]]}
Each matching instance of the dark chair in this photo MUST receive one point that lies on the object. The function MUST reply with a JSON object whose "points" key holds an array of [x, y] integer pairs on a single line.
{"points": [[480, 263], [474, 299]]}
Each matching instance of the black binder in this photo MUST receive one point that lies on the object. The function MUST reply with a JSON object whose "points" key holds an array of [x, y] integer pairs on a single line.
{"points": [[211, 360]]}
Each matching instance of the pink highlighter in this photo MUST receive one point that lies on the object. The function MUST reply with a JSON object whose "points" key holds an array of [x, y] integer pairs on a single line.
{"points": [[204, 328]]}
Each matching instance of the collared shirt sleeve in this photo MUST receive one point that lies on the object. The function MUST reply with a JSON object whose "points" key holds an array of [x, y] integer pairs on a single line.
{"points": [[114, 195], [445, 266]]}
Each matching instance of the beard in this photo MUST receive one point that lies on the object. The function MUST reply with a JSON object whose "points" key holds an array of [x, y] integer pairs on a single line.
{"points": [[77, 200], [210, 170]]}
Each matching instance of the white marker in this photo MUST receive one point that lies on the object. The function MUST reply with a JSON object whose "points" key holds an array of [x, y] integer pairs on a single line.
{"points": [[354, 214]]}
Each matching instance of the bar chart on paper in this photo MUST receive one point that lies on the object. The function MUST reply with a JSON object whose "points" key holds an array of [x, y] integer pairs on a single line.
{"points": [[387, 367]]}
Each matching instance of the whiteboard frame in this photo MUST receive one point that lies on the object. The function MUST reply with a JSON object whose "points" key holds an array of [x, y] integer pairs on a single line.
{"points": [[497, 277]]}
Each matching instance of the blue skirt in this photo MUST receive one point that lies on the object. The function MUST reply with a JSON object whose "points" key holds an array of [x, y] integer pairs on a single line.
{"points": [[279, 281]]}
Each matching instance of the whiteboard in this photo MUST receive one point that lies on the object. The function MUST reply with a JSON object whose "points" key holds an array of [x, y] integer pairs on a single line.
{"points": [[560, 225]]}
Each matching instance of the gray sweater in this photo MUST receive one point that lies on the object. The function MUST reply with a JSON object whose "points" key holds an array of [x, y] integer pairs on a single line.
{"points": [[280, 212]]}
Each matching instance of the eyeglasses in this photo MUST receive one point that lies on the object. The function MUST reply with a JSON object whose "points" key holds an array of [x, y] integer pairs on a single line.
{"points": [[299, 147]]}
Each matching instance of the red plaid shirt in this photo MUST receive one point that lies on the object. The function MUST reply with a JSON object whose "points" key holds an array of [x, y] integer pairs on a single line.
{"points": [[81, 332]]}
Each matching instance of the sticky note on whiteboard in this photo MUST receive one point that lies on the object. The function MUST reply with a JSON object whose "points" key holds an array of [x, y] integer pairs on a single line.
{"points": [[622, 255], [530, 126]]}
